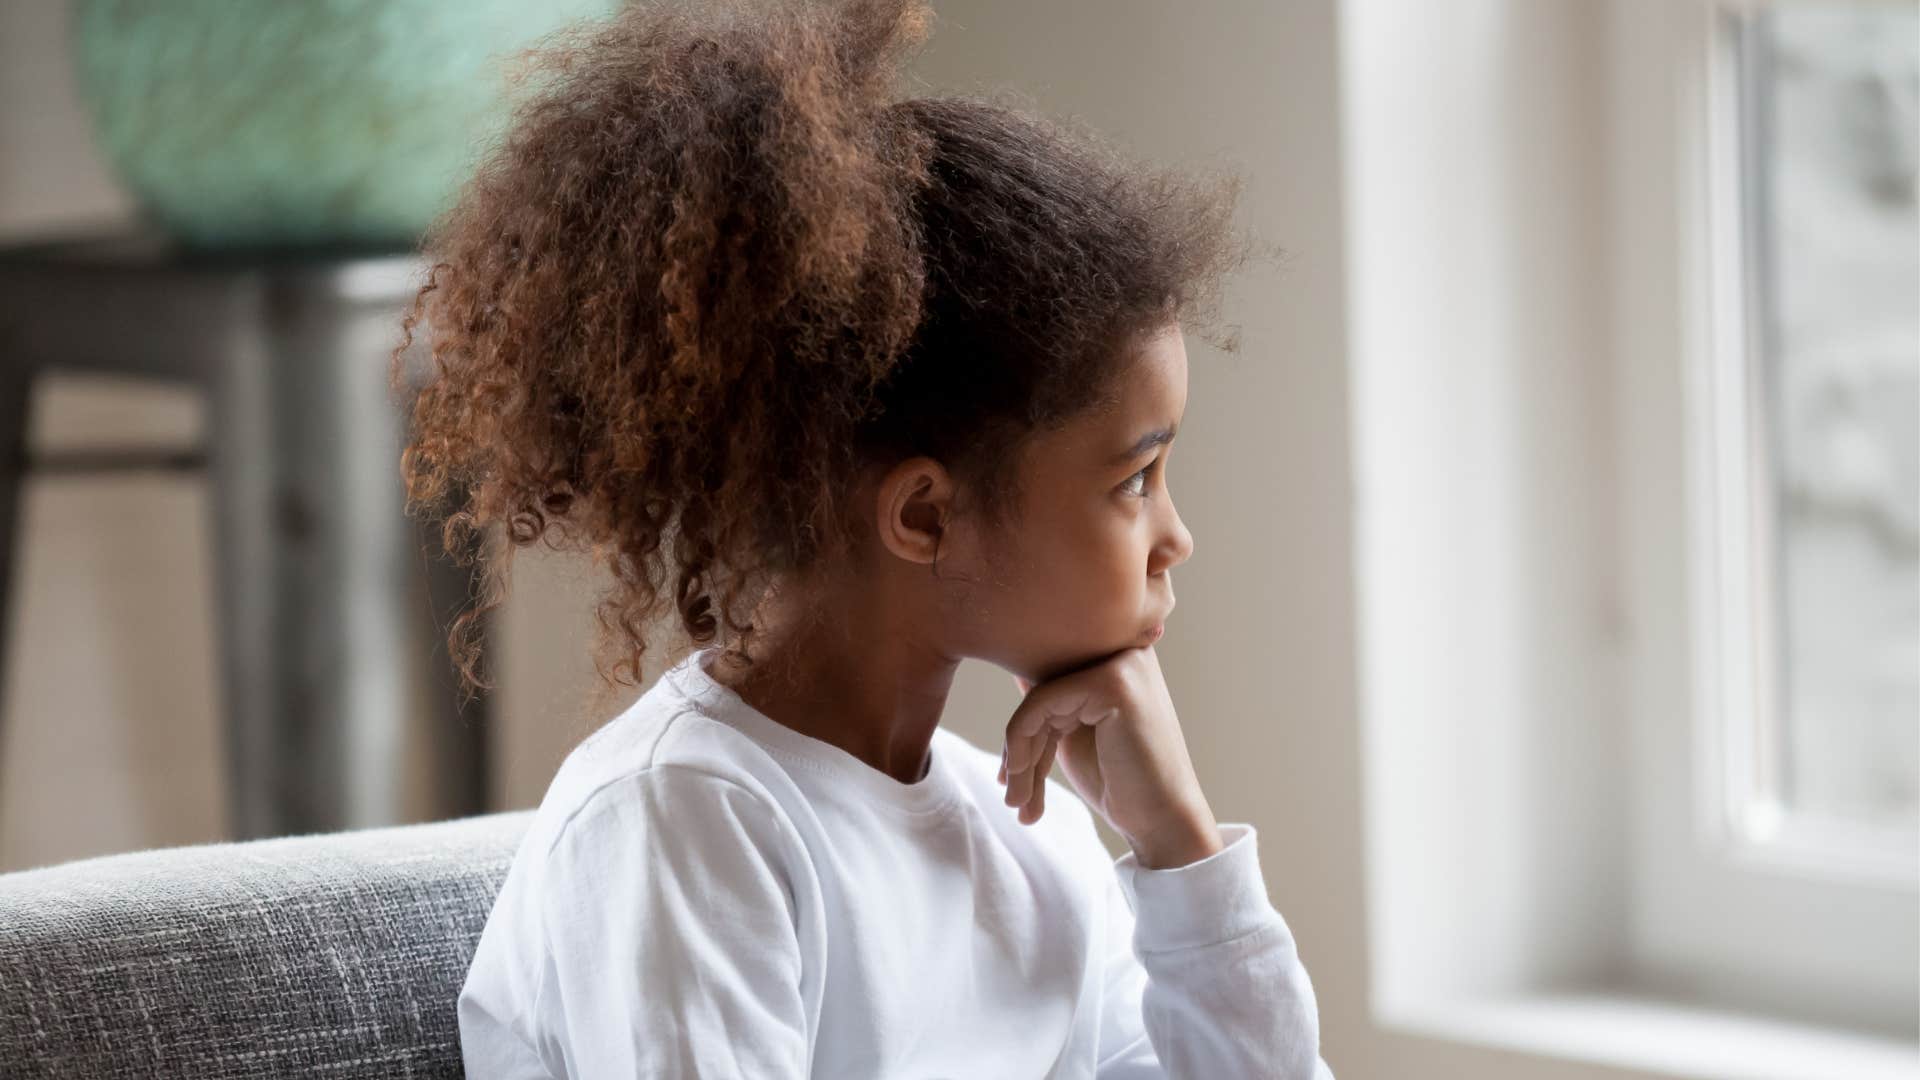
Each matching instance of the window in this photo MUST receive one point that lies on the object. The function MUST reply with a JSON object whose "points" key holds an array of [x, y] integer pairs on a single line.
{"points": [[1824, 768], [1789, 141], [1578, 537]]}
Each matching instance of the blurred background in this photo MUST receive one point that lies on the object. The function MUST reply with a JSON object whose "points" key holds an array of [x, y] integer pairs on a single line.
{"points": [[1555, 611]]}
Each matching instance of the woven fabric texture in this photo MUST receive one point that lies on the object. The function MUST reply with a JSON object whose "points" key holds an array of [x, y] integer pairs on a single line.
{"points": [[335, 954]]}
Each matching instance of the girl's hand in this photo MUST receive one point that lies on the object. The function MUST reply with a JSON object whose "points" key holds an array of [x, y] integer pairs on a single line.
{"points": [[1118, 739]]}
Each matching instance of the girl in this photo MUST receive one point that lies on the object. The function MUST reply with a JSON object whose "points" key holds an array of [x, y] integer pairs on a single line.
{"points": [[854, 388]]}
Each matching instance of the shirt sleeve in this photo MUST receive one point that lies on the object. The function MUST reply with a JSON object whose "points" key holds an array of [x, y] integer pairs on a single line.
{"points": [[670, 935], [1202, 975]]}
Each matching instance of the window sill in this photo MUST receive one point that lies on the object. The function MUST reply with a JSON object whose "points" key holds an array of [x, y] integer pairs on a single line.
{"points": [[1652, 1035]]}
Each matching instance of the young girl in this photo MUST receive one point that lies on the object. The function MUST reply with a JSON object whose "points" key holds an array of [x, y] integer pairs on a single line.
{"points": [[853, 388]]}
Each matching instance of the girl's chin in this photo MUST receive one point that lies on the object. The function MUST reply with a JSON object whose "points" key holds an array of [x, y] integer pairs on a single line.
{"points": [[1082, 657]]}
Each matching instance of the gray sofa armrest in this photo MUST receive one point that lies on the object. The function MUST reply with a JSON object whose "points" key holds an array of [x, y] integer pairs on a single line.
{"points": [[335, 953]]}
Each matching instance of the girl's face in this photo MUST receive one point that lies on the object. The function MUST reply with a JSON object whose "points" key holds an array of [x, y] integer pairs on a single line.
{"points": [[1082, 571]]}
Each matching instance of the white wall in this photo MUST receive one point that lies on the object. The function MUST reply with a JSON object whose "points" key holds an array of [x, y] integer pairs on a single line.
{"points": [[1489, 587]]}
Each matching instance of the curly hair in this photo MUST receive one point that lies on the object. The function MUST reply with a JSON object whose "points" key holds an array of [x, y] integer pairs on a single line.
{"points": [[713, 270]]}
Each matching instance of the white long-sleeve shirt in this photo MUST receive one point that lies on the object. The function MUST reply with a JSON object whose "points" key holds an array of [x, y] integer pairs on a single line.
{"points": [[705, 892]]}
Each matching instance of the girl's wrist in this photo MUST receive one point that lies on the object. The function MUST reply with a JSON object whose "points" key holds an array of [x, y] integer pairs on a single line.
{"points": [[1182, 842]]}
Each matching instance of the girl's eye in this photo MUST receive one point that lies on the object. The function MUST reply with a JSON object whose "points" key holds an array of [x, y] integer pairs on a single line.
{"points": [[1141, 476]]}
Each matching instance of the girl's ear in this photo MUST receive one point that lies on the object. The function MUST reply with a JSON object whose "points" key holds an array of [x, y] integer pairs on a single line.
{"points": [[913, 505]]}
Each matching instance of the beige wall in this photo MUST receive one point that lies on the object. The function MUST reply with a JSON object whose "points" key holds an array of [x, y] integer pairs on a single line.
{"points": [[109, 732], [106, 738]]}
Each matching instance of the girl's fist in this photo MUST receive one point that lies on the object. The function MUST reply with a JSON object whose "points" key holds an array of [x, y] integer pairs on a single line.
{"points": [[1113, 727]]}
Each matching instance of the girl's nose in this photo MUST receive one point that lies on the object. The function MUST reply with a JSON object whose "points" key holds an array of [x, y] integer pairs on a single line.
{"points": [[1175, 547]]}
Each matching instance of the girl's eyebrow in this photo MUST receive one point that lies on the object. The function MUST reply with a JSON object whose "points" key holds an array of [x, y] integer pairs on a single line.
{"points": [[1145, 443]]}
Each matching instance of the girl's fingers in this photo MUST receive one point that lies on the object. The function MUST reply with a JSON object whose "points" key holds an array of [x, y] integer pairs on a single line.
{"points": [[1026, 786], [1023, 750], [1019, 779], [1041, 770], [1039, 719]]}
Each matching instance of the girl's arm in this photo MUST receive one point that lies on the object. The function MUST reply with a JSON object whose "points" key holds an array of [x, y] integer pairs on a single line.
{"points": [[1202, 976]]}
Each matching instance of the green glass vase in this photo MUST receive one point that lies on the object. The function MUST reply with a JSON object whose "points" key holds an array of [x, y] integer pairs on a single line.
{"points": [[326, 123]]}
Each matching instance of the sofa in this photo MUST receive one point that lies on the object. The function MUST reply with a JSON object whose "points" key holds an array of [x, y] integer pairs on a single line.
{"points": [[335, 954]]}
